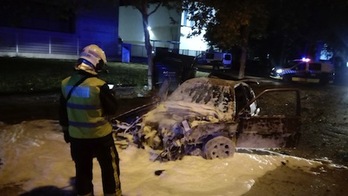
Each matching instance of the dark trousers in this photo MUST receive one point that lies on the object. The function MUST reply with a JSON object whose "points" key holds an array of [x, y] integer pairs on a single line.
{"points": [[83, 151]]}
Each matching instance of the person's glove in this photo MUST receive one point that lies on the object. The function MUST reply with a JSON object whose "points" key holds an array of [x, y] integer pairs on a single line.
{"points": [[66, 134]]}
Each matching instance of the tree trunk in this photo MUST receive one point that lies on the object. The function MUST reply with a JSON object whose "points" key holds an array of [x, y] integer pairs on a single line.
{"points": [[244, 47], [148, 48], [242, 63]]}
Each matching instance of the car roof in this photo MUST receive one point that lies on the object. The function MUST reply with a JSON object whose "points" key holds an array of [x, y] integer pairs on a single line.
{"points": [[207, 91], [202, 96], [213, 80]]}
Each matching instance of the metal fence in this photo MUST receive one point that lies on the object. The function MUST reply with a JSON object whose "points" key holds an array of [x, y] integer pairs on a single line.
{"points": [[140, 51], [25, 43], [53, 45]]}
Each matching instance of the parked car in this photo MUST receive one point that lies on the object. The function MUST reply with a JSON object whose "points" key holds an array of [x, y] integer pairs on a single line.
{"points": [[305, 70], [218, 60], [211, 117]]}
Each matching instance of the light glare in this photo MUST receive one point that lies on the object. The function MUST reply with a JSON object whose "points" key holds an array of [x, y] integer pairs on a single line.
{"points": [[305, 59], [279, 71]]}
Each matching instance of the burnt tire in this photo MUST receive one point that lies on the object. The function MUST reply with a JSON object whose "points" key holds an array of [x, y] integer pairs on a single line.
{"points": [[219, 147]]}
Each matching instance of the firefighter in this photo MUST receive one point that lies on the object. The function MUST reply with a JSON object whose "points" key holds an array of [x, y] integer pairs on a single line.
{"points": [[85, 103]]}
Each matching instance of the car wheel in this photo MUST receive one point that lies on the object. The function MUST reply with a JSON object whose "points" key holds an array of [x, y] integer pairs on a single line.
{"points": [[219, 147]]}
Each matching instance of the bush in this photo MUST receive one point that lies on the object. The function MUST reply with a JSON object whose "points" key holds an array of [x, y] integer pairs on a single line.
{"points": [[23, 75]]}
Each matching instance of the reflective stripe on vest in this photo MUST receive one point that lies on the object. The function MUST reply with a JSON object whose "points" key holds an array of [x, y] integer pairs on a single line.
{"points": [[87, 124], [82, 107]]}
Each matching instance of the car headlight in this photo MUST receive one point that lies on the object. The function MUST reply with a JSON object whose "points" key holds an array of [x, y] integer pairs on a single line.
{"points": [[279, 71]]}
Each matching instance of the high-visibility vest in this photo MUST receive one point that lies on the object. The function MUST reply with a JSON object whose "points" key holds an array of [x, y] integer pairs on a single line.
{"points": [[84, 109]]}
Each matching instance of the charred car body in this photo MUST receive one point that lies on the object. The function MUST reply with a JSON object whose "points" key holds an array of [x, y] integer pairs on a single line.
{"points": [[211, 117]]}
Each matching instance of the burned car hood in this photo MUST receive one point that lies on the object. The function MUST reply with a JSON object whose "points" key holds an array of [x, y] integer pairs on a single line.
{"points": [[168, 113]]}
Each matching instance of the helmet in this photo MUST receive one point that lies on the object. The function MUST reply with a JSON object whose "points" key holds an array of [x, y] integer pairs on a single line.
{"points": [[92, 59]]}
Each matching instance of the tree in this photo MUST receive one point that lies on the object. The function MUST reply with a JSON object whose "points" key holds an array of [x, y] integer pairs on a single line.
{"points": [[143, 7], [285, 28], [296, 26], [228, 23]]}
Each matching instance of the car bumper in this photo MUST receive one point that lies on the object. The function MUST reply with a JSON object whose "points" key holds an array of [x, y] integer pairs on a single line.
{"points": [[277, 77], [307, 80]]}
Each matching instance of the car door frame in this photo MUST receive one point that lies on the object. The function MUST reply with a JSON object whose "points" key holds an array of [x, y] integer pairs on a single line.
{"points": [[265, 131]]}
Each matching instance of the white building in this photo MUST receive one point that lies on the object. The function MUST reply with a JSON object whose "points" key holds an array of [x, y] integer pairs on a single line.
{"points": [[168, 29]]}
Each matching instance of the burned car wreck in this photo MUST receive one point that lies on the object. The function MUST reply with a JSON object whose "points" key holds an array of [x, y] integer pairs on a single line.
{"points": [[211, 117]]}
